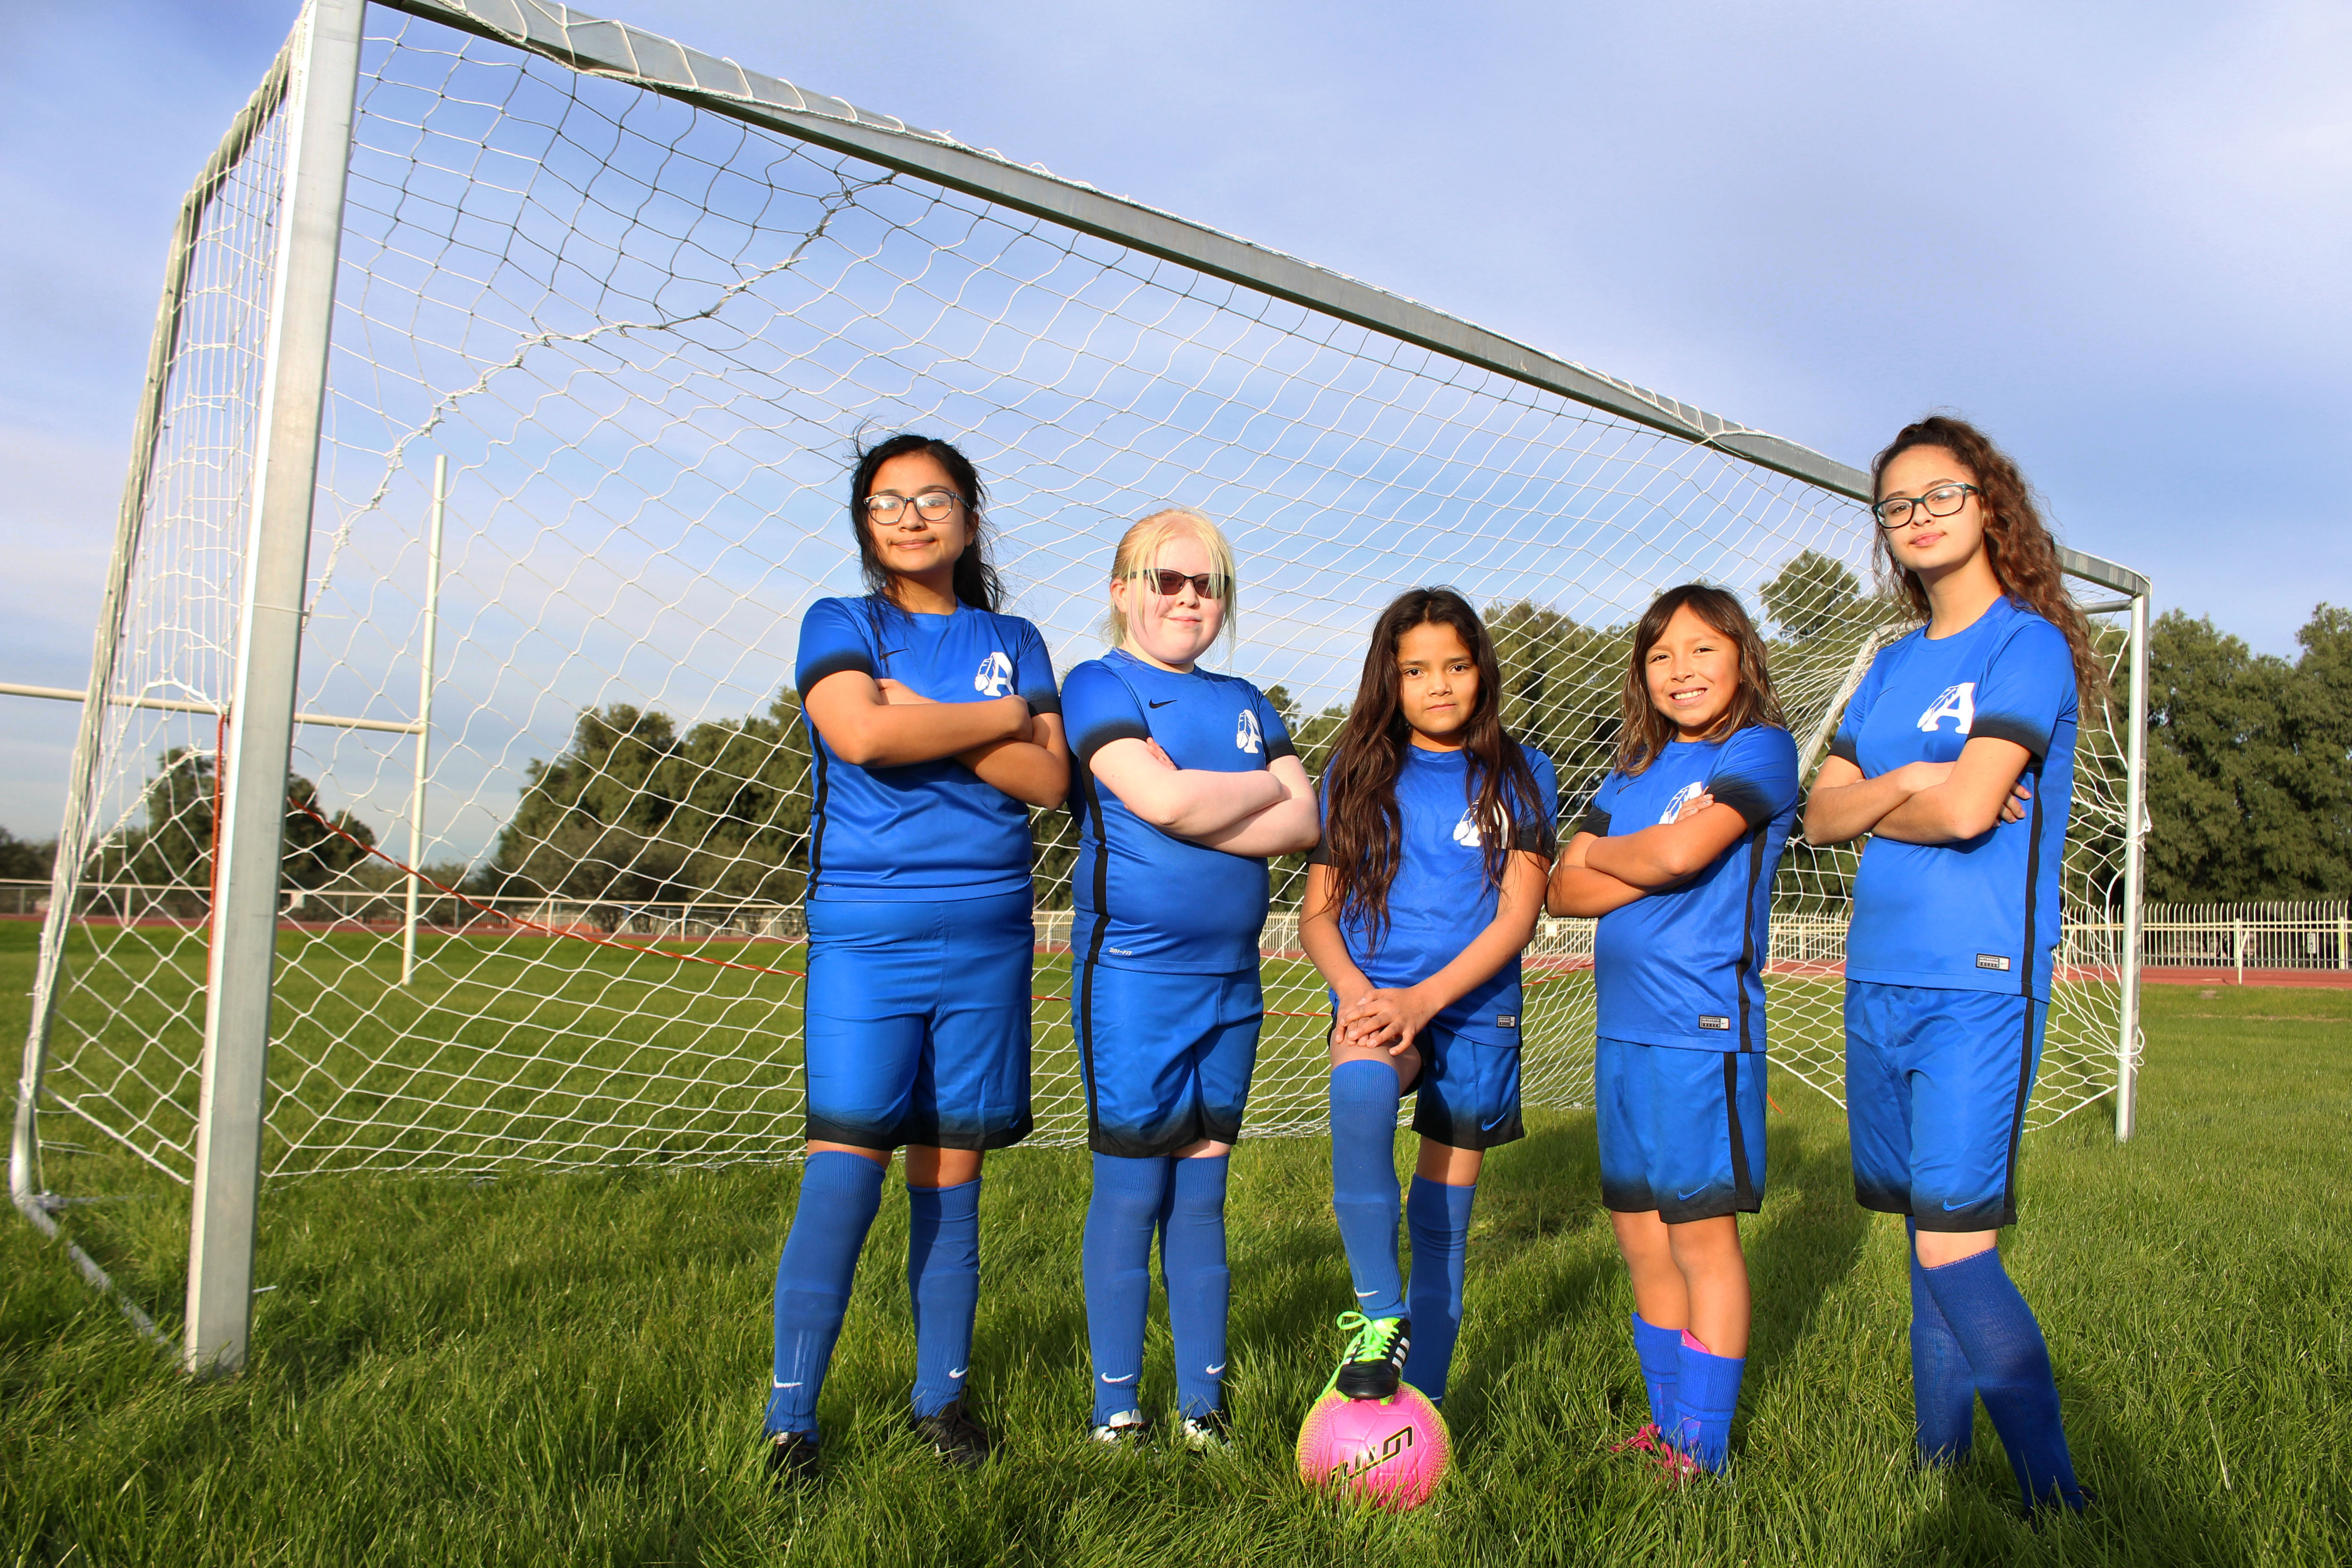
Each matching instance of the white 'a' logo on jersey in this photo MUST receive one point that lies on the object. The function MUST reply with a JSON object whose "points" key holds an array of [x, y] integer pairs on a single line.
{"points": [[995, 676], [1466, 832], [1957, 702], [1246, 734], [1682, 797]]}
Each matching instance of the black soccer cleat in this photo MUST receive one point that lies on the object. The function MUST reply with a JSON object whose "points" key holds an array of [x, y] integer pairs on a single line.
{"points": [[955, 1436], [1373, 1367], [792, 1460]]}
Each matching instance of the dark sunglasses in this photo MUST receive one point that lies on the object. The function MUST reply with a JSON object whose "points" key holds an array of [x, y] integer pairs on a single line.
{"points": [[1168, 583]]}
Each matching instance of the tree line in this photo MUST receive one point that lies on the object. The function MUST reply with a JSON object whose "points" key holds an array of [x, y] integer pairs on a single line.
{"points": [[2248, 780]]}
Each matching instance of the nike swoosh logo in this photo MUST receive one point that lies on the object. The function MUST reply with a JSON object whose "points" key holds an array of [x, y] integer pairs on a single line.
{"points": [[1954, 1207], [1116, 1381], [892, 652], [1212, 1371], [1163, 702], [786, 1385], [1363, 1295], [1686, 1196], [958, 1372]]}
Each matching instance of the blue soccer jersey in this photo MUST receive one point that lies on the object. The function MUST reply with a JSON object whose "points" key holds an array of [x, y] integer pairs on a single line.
{"points": [[1982, 915], [1685, 968], [927, 830], [1440, 899], [1146, 899]]}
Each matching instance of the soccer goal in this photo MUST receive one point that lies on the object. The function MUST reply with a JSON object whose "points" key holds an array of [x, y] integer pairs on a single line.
{"points": [[440, 804]]}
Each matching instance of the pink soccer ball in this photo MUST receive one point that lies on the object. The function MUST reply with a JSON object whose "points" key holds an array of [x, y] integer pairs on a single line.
{"points": [[1391, 1452]]}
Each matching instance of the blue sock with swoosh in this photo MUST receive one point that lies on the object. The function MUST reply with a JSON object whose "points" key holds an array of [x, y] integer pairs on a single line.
{"points": [[1943, 1394], [1437, 1216], [1661, 1354], [1707, 1396], [1193, 1262], [943, 1281], [2010, 1361], [1364, 1196], [838, 1197], [1116, 1264]]}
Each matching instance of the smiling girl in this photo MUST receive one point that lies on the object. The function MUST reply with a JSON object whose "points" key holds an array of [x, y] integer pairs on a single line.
{"points": [[1676, 856], [934, 728], [1187, 783], [1436, 824], [1955, 756]]}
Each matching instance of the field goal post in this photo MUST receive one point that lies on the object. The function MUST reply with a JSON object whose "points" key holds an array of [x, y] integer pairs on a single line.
{"points": [[288, 439]]}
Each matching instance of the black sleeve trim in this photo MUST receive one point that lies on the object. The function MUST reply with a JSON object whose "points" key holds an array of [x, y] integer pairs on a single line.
{"points": [[1843, 747], [2017, 731], [1321, 854], [1529, 837], [833, 664], [1743, 797], [1085, 747], [1047, 701], [1279, 745], [1596, 822]]}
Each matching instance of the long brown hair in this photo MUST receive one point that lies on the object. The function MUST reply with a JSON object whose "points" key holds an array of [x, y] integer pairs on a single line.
{"points": [[1646, 731], [2017, 542], [1363, 830]]}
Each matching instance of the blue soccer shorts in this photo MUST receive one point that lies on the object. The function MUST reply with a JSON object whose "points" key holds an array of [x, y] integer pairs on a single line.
{"points": [[918, 1022], [1167, 1058], [1682, 1132], [1467, 1096], [1936, 1083]]}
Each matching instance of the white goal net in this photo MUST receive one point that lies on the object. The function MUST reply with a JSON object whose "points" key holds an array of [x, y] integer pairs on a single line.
{"points": [[639, 305]]}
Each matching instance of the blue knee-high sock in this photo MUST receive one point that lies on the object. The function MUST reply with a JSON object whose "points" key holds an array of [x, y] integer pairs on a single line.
{"points": [[943, 1281], [2010, 1361], [1364, 1194], [839, 1194], [1943, 1394], [1200, 1287], [1706, 1395], [1661, 1354], [1118, 1270], [1438, 1218]]}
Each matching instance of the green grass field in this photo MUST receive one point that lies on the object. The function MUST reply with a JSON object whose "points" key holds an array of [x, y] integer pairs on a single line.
{"points": [[570, 1367]]}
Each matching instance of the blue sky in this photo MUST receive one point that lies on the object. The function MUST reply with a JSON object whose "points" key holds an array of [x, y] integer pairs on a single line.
{"points": [[2115, 236]]}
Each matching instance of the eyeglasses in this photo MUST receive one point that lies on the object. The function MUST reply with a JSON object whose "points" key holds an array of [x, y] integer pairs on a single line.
{"points": [[931, 505], [1169, 583], [1940, 502]]}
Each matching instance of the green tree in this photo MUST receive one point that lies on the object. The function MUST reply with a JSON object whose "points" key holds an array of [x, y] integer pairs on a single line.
{"points": [[1812, 597], [2249, 763], [23, 861], [633, 813]]}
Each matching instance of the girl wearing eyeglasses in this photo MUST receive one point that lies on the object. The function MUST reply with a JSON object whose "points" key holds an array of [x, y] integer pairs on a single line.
{"points": [[1675, 856], [1187, 782], [934, 727], [1437, 837], [1955, 756]]}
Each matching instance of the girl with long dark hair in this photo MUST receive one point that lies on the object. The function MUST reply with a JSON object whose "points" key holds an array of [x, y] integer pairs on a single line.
{"points": [[1957, 756], [1187, 783], [934, 727], [1437, 826], [1675, 856]]}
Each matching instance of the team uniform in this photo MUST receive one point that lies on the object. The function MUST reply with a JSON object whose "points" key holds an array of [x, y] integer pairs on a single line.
{"points": [[919, 929], [1164, 963], [1167, 1005], [916, 1005], [1468, 1095], [1948, 961], [1948, 990], [1679, 1061]]}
